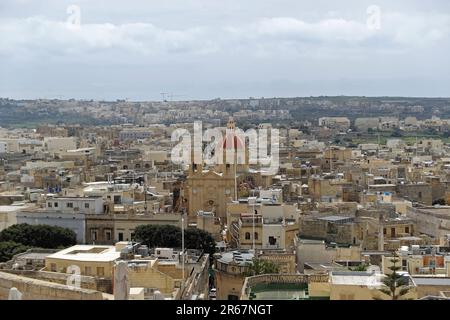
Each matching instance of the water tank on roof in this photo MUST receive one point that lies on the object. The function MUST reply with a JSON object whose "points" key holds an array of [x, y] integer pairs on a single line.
{"points": [[142, 251]]}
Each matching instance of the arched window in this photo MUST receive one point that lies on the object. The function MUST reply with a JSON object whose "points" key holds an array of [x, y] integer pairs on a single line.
{"points": [[247, 236], [256, 235]]}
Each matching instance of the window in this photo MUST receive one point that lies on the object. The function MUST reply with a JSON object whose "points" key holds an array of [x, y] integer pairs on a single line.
{"points": [[53, 267], [272, 241], [384, 230], [100, 271], [132, 236], [86, 205], [108, 235], [88, 271], [392, 232], [420, 194], [120, 236], [93, 234], [247, 236], [69, 204], [406, 229], [256, 235], [55, 204], [49, 204]]}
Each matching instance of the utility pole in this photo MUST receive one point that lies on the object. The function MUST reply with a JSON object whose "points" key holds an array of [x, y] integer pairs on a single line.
{"points": [[235, 183], [331, 161], [254, 217], [145, 194], [378, 149], [182, 243]]}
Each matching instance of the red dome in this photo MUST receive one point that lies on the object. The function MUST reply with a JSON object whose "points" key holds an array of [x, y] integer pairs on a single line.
{"points": [[228, 142]]}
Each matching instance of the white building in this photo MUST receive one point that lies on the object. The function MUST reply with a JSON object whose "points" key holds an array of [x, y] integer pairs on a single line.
{"points": [[66, 212]]}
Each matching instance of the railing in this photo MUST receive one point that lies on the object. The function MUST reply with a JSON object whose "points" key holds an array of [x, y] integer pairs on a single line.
{"points": [[280, 279], [234, 232]]}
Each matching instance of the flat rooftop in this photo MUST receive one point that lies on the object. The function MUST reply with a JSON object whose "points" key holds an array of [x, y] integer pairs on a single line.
{"points": [[240, 257], [355, 278], [14, 208], [432, 281], [336, 218], [87, 253], [34, 256]]}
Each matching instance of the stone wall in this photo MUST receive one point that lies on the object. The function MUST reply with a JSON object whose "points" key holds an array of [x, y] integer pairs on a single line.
{"points": [[86, 282], [416, 192], [34, 289]]}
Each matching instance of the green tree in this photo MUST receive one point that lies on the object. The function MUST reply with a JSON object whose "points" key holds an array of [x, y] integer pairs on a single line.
{"points": [[395, 285], [170, 236], [41, 236], [259, 266], [200, 239], [397, 133], [9, 248], [361, 267], [158, 235]]}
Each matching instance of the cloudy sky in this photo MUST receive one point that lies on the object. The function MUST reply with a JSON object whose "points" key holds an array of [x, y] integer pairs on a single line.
{"points": [[201, 49]]}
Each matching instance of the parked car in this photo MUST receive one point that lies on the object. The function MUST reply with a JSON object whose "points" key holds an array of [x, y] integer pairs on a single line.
{"points": [[213, 294]]}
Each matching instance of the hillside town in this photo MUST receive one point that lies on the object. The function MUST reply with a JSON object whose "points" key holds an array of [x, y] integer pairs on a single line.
{"points": [[358, 207]]}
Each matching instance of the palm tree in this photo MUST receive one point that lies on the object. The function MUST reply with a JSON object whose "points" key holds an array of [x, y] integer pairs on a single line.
{"points": [[395, 285]]}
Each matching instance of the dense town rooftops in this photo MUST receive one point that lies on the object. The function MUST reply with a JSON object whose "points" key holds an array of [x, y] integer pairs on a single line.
{"points": [[337, 219]]}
